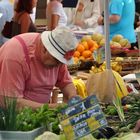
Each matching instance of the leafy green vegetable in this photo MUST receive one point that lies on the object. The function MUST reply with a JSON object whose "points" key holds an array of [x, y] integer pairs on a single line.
{"points": [[8, 114], [29, 119], [110, 110]]}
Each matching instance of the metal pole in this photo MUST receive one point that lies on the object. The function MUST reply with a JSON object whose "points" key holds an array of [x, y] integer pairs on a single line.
{"points": [[106, 29]]}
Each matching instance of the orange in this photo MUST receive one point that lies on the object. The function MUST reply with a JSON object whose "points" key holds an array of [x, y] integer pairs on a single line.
{"points": [[80, 48], [76, 54], [90, 58], [82, 58], [85, 44], [76, 59], [92, 49], [90, 42], [96, 45], [87, 53]]}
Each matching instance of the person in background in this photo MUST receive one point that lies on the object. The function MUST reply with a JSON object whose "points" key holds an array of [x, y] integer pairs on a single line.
{"points": [[33, 13], [6, 9], [85, 14], [55, 14], [137, 14], [121, 19], [31, 64], [23, 9]]}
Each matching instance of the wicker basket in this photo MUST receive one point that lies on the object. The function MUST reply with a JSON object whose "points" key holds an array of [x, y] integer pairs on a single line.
{"points": [[73, 68], [129, 63], [116, 51]]}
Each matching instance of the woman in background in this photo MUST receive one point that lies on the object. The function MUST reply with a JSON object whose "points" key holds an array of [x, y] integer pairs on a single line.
{"points": [[85, 14], [55, 14], [23, 9], [7, 12]]}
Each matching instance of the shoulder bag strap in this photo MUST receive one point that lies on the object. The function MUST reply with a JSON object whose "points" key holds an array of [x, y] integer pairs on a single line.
{"points": [[16, 19]]}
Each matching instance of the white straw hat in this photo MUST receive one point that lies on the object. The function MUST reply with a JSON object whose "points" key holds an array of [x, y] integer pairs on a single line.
{"points": [[60, 43]]}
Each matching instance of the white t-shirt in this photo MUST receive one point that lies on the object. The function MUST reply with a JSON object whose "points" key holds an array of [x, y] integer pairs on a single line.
{"points": [[32, 15], [56, 7]]}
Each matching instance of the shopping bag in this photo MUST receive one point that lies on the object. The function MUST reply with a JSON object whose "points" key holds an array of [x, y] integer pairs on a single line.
{"points": [[12, 28], [106, 85], [7, 30], [102, 85]]}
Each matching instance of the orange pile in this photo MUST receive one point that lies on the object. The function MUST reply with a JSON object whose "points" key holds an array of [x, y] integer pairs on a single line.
{"points": [[85, 49]]}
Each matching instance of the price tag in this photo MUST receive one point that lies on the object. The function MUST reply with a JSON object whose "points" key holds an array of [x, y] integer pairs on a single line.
{"points": [[82, 118], [99, 55]]}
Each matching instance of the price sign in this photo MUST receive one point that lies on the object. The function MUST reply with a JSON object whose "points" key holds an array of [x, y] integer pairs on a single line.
{"points": [[82, 118], [99, 55]]}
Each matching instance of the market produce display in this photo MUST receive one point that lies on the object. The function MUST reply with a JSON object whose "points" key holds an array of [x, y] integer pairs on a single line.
{"points": [[119, 44], [131, 106], [80, 87], [122, 65], [116, 66], [28, 119], [90, 43], [123, 129], [118, 41], [85, 48]]}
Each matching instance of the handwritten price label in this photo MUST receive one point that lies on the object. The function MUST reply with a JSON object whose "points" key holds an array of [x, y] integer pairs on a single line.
{"points": [[82, 118]]}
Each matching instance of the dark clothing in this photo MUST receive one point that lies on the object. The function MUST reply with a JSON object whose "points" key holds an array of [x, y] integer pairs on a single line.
{"points": [[32, 27], [137, 2]]}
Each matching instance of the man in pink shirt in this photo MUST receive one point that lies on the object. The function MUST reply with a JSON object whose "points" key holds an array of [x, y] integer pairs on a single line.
{"points": [[31, 64]]}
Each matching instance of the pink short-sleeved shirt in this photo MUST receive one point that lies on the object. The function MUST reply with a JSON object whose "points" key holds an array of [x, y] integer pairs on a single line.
{"points": [[35, 83]]}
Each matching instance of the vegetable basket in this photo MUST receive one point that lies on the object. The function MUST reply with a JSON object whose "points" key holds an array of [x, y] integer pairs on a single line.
{"points": [[73, 68], [116, 51], [129, 63], [21, 135]]}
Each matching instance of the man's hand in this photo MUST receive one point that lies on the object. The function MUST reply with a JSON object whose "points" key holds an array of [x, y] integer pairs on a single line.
{"points": [[69, 91], [137, 127], [55, 105], [80, 23], [21, 103]]}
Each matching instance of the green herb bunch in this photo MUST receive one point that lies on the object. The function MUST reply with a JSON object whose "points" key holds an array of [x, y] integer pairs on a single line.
{"points": [[28, 119], [8, 114]]}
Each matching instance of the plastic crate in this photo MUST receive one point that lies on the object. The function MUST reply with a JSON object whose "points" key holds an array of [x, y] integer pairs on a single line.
{"points": [[21, 135]]}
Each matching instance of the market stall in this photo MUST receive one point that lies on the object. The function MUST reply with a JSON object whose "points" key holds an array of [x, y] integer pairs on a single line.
{"points": [[94, 115]]}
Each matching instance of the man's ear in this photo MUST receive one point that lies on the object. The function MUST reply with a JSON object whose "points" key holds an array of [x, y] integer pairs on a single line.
{"points": [[42, 47]]}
